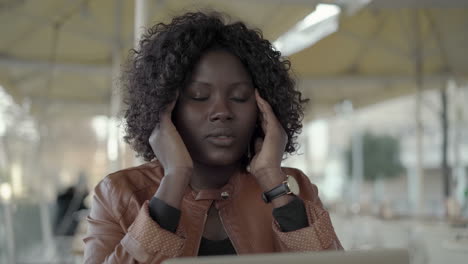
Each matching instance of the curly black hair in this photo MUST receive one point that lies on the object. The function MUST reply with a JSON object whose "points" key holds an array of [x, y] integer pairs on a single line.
{"points": [[165, 59]]}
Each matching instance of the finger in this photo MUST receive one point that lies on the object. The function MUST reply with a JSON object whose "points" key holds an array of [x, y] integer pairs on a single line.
{"points": [[258, 99], [166, 112], [171, 106], [267, 116], [264, 106], [262, 102], [261, 114], [153, 138], [258, 145], [263, 122]]}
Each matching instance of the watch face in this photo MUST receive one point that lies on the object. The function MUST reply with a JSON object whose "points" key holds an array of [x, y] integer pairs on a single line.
{"points": [[293, 185]]}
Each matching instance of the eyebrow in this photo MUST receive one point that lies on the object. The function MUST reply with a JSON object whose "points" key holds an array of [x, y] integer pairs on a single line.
{"points": [[232, 84]]}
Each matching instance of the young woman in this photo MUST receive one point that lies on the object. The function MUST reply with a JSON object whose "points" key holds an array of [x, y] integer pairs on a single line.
{"points": [[213, 108]]}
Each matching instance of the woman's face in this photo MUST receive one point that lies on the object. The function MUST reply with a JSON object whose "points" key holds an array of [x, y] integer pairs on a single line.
{"points": [[216, 112]]}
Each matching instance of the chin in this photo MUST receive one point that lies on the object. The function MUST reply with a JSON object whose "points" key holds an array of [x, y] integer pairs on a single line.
{"points": [[222, 158]]}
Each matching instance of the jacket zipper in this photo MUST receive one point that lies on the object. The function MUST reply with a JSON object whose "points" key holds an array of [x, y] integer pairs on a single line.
{"points": [[228, 231], [201, 235]]}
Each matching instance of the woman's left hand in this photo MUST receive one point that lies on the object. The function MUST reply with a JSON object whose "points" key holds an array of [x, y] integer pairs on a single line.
{"points": [[266, 164]]}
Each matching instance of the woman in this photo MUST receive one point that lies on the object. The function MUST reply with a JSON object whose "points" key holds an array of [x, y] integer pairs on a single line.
{"points": [[213, 107]]}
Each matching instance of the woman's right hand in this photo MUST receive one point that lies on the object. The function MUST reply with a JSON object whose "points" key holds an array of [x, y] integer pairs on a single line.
{"points": [[167, 144], [170, 150]]}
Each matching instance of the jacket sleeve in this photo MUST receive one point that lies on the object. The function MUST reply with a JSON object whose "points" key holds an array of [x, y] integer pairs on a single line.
{"points": [[319, 234], [107, 240], [292, 216], [166, 216]]}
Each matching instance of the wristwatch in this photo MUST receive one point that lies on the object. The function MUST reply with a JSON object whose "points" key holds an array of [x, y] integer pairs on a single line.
{"points": [[289, 186]]}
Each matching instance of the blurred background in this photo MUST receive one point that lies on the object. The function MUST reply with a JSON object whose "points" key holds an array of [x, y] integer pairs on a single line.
{"points": [[385, 135]]}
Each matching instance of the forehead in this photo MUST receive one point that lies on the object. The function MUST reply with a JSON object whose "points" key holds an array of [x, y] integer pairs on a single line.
{"points": [[220, 65]]}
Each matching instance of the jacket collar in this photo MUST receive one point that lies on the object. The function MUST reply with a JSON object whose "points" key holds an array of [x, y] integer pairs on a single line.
{"points": [[227, 192]]}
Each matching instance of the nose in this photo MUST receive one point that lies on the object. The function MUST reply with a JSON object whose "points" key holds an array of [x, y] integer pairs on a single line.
{"points": [[221, 111]]}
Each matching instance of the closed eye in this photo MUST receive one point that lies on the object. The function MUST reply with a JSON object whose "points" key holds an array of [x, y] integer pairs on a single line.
{"points": [[239, 99], [200, 98]]}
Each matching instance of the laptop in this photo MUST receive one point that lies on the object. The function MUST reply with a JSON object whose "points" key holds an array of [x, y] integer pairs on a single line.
{"points": [[376, 256]]}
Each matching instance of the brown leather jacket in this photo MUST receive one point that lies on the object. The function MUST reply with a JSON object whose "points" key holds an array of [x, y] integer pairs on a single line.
{"points": [[120, 229]]}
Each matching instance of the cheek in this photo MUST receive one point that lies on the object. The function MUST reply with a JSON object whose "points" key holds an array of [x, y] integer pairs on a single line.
{"points": [[253, 113], [186, 117], [249, 117]]}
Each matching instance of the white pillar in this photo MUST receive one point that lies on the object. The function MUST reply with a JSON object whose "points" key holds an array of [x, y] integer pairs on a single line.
{"points": [[44, 213], [113, 155], [141, 19], [418, 67], [357, 158], [456, 94], [357, 155], [5, 201], [419, 154]]}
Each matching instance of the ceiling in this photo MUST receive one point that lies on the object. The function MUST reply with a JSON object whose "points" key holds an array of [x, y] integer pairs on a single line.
{"points": [[57, 55]]}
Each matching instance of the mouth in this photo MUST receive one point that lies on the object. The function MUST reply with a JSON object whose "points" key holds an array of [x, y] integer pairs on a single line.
{"points": [[221, 137]]}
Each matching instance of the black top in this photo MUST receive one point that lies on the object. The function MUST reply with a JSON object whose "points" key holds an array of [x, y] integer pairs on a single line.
{"points": [[290, 217], [216, 247]]}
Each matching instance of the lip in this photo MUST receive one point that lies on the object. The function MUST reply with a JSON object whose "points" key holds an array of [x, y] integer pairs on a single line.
{"points": [[222, 137], [221, 132], [221, 141]]}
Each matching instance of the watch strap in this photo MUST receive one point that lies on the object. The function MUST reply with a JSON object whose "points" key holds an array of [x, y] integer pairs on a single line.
{"points": [[276, 192]]}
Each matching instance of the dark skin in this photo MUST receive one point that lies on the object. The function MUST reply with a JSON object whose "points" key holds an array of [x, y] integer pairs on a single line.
{"points": [[203, 136]]}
